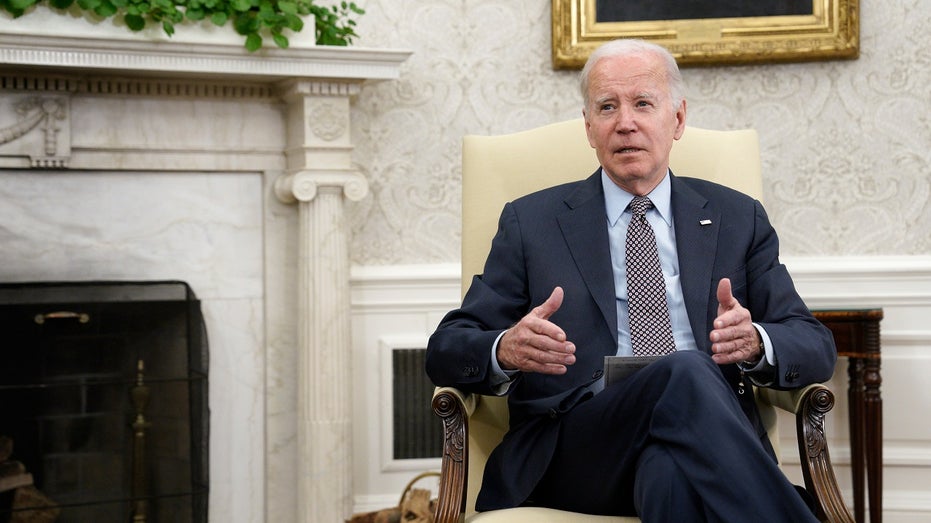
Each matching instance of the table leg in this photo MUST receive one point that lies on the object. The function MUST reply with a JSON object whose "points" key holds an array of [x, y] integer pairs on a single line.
{"points": [[874, 437], [856, 400]]}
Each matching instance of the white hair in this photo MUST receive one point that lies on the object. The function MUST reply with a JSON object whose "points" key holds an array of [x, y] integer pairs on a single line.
{"points": [[627, 47]]}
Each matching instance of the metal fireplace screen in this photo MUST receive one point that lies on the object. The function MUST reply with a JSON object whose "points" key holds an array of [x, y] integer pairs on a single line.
{"points": [[103, 403]]}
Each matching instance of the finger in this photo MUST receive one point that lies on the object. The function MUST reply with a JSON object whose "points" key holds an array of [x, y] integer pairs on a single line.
{"points": [[548, 362], [538, 318], [725, 295], [540, 335], [550, 306], [530, 357], [726, 358]]}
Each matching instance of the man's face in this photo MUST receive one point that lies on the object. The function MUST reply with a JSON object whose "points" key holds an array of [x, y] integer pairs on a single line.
{"points": [[630, 120]]}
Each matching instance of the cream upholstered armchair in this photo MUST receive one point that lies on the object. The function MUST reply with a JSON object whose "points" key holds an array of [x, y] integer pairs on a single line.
{"points": [[496, 169]]}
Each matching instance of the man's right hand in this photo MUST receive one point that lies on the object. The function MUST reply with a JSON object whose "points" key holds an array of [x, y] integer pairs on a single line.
{"points": [[536, 344]]}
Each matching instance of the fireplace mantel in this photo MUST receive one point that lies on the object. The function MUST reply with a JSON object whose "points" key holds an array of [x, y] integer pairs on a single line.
{"points": [[127, 107], [198, 60]]}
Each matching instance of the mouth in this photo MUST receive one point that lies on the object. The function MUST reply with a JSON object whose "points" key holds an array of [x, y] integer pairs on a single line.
{"points": [[628, 150]]}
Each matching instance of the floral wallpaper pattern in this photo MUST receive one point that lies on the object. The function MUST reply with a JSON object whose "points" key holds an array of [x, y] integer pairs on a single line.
{"points": [[846, 145]]}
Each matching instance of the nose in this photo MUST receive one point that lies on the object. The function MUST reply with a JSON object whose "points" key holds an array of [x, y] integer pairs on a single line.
{"points": [[625, 122]]}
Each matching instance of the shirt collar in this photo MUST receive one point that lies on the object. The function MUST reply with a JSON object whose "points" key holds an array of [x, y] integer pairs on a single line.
{"points": [[617, 200]]}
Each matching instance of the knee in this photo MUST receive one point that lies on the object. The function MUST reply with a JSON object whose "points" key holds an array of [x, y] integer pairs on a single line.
{"points": [[659, 482], [688, 365], [688, 357], [692, 376]]}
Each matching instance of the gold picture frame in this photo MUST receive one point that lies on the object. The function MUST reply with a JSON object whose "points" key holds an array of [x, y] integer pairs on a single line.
{"points": [[830, 31]]}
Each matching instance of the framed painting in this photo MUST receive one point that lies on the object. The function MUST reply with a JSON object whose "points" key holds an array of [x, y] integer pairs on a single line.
{"points": [[710, 32]]}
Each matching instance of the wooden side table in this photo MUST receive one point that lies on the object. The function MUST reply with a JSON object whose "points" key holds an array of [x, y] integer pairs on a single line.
{"points": [[856, 334]]}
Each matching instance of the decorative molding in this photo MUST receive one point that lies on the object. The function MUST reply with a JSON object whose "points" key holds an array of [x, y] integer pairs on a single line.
{"points": [[862, 281], [181, 59], [872, 277], [304, 186], [82, 83], [326, 121], [319, 88], [39, 128]]}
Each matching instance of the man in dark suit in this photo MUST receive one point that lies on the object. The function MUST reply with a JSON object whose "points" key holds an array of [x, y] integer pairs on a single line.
{"points": [[681, 439]]}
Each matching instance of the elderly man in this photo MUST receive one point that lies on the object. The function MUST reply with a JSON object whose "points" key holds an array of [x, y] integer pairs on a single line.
{"points": [[634, 261]]}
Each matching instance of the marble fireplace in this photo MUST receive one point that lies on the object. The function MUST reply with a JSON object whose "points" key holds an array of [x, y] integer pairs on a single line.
{"points": [[146, 159]]}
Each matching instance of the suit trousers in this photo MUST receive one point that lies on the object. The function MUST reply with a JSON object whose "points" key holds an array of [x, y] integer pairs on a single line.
{"points": [[669, 443]]}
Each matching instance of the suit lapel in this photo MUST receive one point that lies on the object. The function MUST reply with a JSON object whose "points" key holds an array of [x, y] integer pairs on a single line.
{"points": [[697, 228], [585, 230]]}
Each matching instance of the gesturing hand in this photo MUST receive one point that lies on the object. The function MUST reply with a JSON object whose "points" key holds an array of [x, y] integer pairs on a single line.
{"points": [[734, 338], [535, 344]]}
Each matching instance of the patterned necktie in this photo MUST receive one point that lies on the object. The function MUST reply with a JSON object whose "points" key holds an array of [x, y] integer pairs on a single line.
{"points": [[650, 328]]}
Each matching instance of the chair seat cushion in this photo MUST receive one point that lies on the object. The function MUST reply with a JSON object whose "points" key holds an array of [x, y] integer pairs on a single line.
{"points": [[542, 515]]}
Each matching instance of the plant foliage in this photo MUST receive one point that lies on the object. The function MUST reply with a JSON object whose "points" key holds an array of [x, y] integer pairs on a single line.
{"points": [[335, 24]]}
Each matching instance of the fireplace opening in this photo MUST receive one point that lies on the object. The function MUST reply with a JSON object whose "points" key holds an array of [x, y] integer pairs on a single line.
{"points": [[103, 403]]}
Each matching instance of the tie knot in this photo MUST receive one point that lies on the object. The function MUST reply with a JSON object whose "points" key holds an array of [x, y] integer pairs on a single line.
{"points": [[640, 205]]}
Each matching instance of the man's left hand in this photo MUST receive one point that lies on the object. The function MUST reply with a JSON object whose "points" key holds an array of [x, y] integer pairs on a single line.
{"points": [[734, 338]]}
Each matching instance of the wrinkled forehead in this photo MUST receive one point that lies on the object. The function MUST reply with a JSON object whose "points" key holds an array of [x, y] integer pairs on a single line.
{"points": [[627, 76]]}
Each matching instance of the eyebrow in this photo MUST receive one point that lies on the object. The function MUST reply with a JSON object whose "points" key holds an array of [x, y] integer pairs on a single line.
{"points": [[645, 95]]}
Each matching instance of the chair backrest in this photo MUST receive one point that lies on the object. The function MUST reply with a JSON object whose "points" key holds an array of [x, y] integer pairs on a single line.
{"points": [[498, 169]]}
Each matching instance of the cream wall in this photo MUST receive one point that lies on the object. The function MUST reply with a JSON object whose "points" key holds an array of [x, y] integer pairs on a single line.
{"points": [[845, 144], [847, 175]]}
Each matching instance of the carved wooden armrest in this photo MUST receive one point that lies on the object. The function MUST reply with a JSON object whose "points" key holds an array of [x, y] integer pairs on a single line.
{"points": [[454, 407], [810, 405]]}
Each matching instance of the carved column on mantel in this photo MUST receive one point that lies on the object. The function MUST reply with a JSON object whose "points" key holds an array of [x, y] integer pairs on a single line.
{"points": [[320, 177]]}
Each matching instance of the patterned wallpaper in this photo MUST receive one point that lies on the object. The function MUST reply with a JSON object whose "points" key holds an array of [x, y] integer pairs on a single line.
{"points": [[846, 145]]}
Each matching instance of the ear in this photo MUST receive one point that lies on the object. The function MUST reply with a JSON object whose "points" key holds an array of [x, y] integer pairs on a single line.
{"points": [[680, 121], [588, 129]]}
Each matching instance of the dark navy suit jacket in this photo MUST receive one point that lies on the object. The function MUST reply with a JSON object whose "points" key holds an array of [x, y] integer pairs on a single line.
{"points": [[559, 237]]}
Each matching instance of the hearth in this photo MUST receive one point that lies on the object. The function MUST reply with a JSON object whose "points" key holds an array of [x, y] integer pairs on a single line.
{"points": [[103, 402]]}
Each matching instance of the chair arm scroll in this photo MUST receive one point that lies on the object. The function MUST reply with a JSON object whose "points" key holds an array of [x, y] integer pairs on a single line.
{"points": [[817, 470], [453, 407]]}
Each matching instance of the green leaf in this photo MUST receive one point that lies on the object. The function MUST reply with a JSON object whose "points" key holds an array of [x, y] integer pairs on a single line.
{"points": [[334, 24], [293, 23], [219, 18], [253, 42], [245, 24], [287, 7], [88, 5], [106, 9], [134, 22], [21, 5]]}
